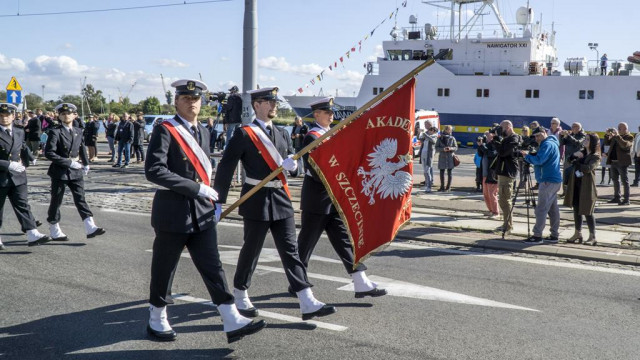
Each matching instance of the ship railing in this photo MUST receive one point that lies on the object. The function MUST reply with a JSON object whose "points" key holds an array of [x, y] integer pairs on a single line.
{"points": [[615, 67], [489, 31]]}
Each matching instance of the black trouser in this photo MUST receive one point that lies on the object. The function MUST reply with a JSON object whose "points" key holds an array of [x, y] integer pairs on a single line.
{"points": [[203, 248], [312, 227], [18, 198], [284, 237], [478, 177], [577, 221], [620, 173], [604, 171], [636, 162], [449, 176], [57, 194], [138, 149]]}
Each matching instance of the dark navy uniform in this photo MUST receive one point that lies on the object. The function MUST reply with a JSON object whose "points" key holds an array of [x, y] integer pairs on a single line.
{"points": [[63, 146], [181, 218], [13, 184], [318, 215], [269, 209]]}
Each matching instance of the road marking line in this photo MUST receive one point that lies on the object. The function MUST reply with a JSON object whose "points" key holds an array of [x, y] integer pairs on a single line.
{"points": [[267, 314], [521, 259]]}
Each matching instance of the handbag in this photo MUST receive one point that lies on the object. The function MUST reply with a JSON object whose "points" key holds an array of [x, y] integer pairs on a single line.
{"points": [[456, 160]]}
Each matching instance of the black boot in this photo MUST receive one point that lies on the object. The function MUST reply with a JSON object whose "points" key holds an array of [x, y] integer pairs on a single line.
{"points": [[441, 180]]}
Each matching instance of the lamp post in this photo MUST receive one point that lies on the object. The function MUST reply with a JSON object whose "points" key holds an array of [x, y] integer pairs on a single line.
{"points": [[594, 46]]}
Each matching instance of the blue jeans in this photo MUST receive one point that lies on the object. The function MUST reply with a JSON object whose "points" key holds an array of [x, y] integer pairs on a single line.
{"points": [[230, 129], [111, 140], [127, 153]]}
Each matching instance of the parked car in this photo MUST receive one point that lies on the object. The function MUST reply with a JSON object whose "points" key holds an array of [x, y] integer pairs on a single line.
{"points": [[151, 121]]}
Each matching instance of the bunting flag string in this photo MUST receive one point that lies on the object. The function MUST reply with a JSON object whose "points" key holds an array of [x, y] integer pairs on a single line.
{"points": [[319, 77]]}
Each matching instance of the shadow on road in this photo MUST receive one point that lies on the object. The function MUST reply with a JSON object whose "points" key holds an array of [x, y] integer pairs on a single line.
{"points": [[80, 335]]}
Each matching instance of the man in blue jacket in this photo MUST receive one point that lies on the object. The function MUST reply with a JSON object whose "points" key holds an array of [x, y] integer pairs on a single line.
{"points": [[546, 164]]}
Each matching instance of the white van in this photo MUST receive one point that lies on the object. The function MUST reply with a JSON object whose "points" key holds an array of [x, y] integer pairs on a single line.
{"points": [[422, 117], [151, 121]]}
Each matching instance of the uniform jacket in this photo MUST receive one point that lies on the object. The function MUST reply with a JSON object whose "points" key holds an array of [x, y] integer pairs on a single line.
{"points": [[13, 148], [302, 130], [176, 206], [314, 197], [91, 133], [124, 132], [547, 161], [268, 203], [62, 148], [489, 154], [588, 193], [621, 144], [445, 159]]}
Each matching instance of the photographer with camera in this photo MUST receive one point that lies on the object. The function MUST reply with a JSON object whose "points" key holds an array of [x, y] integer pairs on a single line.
{"points": [[581, 192], [232, 111], [619, 157], [506, 143], [572, 141], [489, 178], [546, 162]]}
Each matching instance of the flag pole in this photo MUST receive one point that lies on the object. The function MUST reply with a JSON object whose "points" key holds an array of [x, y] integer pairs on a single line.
{"points": [[442, 54]]}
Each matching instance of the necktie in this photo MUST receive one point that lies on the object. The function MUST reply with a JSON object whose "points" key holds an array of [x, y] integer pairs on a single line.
{"points": [[270, 132], [7, 131], [196, 134]]}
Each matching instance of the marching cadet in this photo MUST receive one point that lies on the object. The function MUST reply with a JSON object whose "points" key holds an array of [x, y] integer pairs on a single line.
{"points": [[183, 214], [319, 214], [65, 148], [14, 157], [261, 147]]}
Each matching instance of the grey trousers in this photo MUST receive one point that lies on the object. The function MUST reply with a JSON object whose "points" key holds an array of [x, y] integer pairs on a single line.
{"points": [[547, 204]]}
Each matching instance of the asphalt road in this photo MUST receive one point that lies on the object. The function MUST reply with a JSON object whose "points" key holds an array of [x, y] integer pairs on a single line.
{"points": [[86, 299]]}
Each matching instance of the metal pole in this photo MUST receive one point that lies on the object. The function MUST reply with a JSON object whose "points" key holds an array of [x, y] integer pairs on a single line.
{"points": [[249, 57]]}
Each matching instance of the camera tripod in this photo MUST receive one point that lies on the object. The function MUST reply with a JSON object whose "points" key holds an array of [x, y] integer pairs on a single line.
{"points": [[529, 197]]}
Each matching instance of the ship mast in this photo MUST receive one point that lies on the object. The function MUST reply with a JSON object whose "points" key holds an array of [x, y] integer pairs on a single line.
{"points": [[452, 31]]}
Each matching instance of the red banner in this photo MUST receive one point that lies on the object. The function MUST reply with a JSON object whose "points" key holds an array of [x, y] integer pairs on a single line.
{"points": [[368, 170]]}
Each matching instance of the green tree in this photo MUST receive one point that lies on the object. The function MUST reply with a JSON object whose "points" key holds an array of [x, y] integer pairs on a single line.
{"points": [[94, 98], [34, 101], [169, 96], [73, 99], [150, 105]]}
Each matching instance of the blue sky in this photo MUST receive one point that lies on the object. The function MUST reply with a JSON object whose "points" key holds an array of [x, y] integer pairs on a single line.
{"points": [[297, 39]]}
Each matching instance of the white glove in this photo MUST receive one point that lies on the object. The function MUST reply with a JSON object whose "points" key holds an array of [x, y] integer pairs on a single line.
{"points": [[207, 192], [16, 166], [289, 164], [75, 165], [218, 212], [85, 170]]}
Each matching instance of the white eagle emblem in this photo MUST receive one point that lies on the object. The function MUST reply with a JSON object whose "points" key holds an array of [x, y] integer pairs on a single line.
{"points": [[384, 178]]}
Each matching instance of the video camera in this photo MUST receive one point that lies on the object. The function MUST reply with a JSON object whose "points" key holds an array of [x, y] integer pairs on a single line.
{"points": [[216, 96]]}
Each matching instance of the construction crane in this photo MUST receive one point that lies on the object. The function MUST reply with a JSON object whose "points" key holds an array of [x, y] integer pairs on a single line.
{"points": [[166, 94], [131, 88]]}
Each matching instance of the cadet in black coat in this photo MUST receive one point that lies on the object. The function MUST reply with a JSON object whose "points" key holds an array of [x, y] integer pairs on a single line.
{"points": [[138, 137], [65, 148], [183, 215], [319, 214], [268, 209], [14, 158]]}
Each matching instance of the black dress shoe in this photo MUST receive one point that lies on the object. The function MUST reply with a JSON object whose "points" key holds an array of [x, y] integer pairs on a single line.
{"points": [[250, 312], [323, 311], [99, 231], [64, 238], [251, 328], [2, 247], [614, 201], [291, 292], [373, 293], [162, 335], [43, 240], [38, 223], [624, 202]]}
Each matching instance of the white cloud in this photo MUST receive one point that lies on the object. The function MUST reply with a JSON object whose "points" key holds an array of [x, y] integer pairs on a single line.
{"points": [[264, 78], [224, 58], [67, 46], [377, 52], [12, 64], [170, 63], [56, 65], [281, 64]]}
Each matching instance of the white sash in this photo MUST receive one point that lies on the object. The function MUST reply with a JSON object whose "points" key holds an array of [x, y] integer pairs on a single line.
{"points": [[271, 148], [193, 144]]}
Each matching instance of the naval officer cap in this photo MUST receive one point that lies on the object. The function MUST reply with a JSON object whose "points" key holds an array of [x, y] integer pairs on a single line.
{"points": [[189, 87], [65, 107], [322, 104], [268, 93], [6, 108]]}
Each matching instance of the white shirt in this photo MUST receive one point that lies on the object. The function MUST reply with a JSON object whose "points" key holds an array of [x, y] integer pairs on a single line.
{"points": [[4, 129], [264, 124]]}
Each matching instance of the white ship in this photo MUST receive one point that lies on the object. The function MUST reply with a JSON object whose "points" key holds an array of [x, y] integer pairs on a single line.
{"points": [[497, 74]]}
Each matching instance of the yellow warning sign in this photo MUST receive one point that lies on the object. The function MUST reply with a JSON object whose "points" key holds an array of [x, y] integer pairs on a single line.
{"points": [[14, 84]]}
